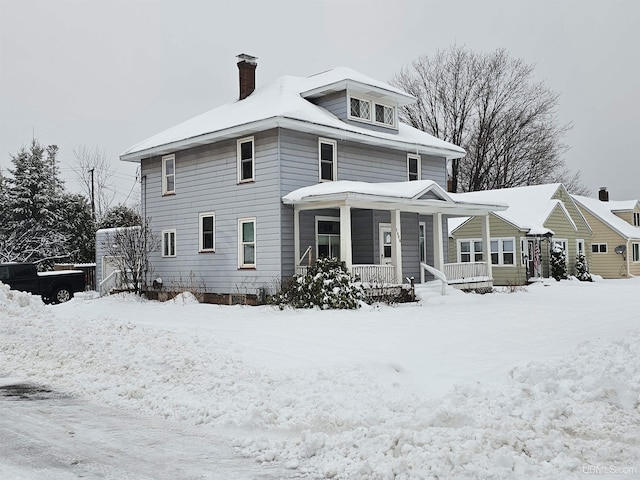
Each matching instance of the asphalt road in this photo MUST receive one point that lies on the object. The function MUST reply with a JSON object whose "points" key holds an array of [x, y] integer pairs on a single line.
{"points": [[46, 435]]}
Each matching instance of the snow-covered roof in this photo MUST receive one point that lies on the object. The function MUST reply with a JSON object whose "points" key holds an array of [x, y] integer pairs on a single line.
{"points": [[605, 212], [529, 207], [422, 196], [281, 103]]}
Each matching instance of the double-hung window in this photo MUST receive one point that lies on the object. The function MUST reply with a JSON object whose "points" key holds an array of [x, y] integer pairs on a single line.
{"points": [[328, 237], [168, 174], [636, 219], [169, 243], [207, 228], [469, 251], [328, 159], [413, 167], [503, 251], [246, 160], [635, 252], [247, 243]]}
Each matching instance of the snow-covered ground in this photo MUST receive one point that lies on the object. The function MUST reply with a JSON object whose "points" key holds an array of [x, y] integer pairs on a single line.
{"points": [[543, 382]]}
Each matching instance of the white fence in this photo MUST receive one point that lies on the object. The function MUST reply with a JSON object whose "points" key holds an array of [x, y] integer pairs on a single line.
{"points": [[466, 272], [378, 274]]}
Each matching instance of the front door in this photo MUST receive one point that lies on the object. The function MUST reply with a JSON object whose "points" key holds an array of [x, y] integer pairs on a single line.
{"points": [[534, 259], [385, 244]]}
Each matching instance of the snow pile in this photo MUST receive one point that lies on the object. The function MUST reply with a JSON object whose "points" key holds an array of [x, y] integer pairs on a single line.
{"points": [[12, 300], [442, 389], [549, 418]]}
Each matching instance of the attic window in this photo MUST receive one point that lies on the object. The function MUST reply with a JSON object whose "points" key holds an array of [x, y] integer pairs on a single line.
{"points": [[360, 109], [384, 114], [636, 219]]}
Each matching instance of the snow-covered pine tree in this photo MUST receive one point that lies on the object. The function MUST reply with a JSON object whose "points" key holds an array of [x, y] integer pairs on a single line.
{"points": [[558, 263], [582, 270]]}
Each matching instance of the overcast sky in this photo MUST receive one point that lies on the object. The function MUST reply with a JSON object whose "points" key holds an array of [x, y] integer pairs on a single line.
{"points": [[110, 73]]}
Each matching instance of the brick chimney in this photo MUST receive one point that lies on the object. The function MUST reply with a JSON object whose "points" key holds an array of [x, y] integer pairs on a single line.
{"points": [[603, 194], [247, 73]]}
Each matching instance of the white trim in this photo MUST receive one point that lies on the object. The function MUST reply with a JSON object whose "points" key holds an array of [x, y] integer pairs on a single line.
{"points": [[501, 251], [372, 120], [472, 250], [579, 242], [201, 216], [167, 234], [334, 166], [239, 159], [165, 159], [635, 252], [360, 99], [636, 219], [322, 218], [393, 115], [241, 243], [382, 259], [413, 156]]}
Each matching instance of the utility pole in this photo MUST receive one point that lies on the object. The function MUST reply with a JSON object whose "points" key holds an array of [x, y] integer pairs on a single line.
{"points": [[93, 200]]}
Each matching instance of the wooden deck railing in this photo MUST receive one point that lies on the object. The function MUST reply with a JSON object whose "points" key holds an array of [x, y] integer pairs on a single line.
{"points": [[466, 272], [378, 274]]}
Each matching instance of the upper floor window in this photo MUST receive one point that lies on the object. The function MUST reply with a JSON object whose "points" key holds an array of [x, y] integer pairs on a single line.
{"points": [[360, 109], [168, 243], [207, 227], [636, 219], [413, 167], [168, 174], [246, 160], [328, 160]]}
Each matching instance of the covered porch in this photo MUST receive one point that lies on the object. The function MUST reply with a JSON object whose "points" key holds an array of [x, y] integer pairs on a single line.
{"points": [[398, 227]]}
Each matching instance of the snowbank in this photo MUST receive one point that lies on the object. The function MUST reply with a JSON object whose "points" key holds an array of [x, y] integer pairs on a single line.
{"points": [[443, 389]]}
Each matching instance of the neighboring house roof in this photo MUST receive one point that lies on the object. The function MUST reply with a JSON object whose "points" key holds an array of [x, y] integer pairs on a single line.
{"points": [[529, 207], [605, 212], [421, 196], [282, 103]]}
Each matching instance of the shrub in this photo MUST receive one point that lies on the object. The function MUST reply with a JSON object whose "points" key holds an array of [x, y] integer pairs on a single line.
{"points": [[582, 270], [558, 263], [327, 284]]}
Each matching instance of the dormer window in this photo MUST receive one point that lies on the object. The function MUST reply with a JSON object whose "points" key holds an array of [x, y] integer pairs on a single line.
{"points": [[360, 109], [384, 114], [636, 219], [371, 111]]}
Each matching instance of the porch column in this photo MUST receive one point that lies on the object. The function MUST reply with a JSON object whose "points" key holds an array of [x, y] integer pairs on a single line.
{"points": [[438, 247], [396, 244], [296, 236], [345, 236], [486, 244]]}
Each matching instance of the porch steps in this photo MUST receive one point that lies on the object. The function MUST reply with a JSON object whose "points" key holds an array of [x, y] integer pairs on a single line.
{"points": [[432, 289]]}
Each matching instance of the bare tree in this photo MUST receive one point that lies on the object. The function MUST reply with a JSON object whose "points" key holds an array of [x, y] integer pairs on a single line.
{"points": [[94, 172], [130, 248], [489, 105]]}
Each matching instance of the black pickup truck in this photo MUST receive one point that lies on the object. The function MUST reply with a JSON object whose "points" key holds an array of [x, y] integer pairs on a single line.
{"points": [[53, 287]]}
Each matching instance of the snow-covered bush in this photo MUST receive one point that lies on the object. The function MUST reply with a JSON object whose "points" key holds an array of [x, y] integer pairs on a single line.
{"points": [[558, 263], [327, 284], [582, 271]]}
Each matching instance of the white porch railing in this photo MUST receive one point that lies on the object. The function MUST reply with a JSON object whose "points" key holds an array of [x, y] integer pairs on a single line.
{"points": [[466, 272], [436, 273], [109, 283], [378, 274]]}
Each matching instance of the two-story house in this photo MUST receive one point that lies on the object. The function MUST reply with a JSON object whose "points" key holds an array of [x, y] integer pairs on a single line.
{"points": [[300, 168]]}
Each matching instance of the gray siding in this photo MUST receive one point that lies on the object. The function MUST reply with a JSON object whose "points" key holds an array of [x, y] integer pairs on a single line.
{"points": [[206, 181], [335, 103]]}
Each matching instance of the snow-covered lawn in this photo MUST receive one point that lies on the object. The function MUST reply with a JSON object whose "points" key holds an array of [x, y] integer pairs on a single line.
{"points": [[537, 383]]}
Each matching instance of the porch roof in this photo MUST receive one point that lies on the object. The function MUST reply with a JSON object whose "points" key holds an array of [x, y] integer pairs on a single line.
{"points": [[421, 196]]}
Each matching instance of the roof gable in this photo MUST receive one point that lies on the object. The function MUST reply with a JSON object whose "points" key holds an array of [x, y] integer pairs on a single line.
{"points": [[604, 211]]}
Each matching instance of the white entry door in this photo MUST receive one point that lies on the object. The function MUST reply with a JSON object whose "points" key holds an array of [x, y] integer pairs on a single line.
{"points": [[385, 244]]}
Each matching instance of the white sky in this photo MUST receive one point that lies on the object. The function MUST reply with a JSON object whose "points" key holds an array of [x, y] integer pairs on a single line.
{"points": [[109, 74]]}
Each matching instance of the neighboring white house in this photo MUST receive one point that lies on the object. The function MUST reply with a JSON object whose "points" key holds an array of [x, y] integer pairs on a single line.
{"points": [[225, 191]]}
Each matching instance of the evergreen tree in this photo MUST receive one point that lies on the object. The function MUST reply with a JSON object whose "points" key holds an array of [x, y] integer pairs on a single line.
{"points": [[120, 216], [558, 263], [582, 270], [78, 227]]}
